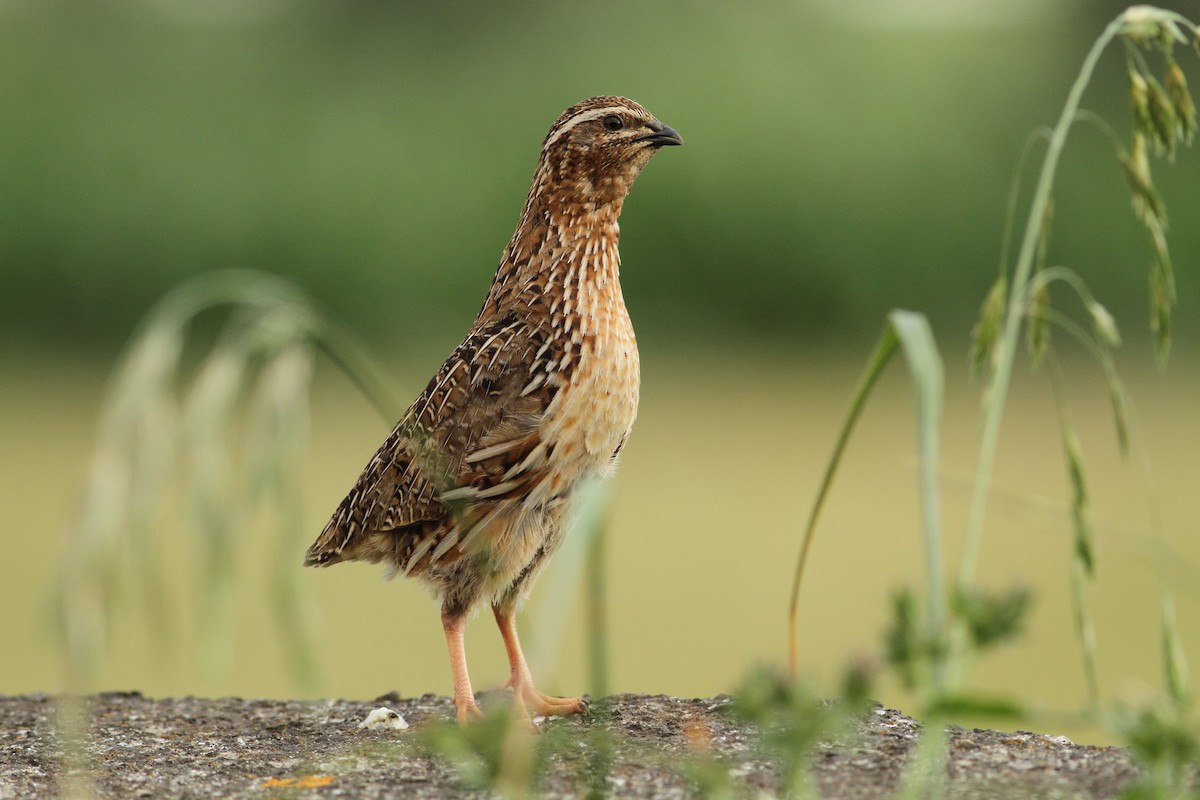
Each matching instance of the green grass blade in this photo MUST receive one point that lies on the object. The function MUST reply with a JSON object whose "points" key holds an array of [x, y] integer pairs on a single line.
{"points": [[1174, 662], [345, 352], [596, 597], [910, 331], [578, 562], [1085, 631], [925, 368], [885, 348]]}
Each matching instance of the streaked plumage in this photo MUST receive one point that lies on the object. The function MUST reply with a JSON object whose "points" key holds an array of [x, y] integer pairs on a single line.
{"points": [[472, 490]]}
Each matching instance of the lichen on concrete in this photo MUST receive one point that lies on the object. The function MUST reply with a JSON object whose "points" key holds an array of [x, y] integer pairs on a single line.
{"points": [[233, 748]]}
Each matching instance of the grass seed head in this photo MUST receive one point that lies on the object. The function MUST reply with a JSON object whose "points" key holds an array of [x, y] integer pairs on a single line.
{"points": [[1149, 27], [1175, 83], [986, 334], [1038, 330], [1147, 203], [1139, 100], [1162, 121], [1104, 324]]}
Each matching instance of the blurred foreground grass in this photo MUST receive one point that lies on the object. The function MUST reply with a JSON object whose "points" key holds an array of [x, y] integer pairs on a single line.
{"points": [[703, 581]]}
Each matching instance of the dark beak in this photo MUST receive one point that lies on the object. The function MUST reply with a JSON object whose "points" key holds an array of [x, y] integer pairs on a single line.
{"points": [[661, 135]]}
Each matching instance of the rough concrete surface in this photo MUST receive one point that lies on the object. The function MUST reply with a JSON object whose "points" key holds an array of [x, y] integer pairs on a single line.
{"points": [[236, 748]]}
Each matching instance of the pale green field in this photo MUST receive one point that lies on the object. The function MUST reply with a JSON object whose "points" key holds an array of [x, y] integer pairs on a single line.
{"points": [[708, 510]]}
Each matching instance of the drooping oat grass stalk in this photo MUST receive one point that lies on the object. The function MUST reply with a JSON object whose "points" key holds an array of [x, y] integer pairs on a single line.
{"points": [[1164, 115], [229, 433], [1161, 117], [1083, 559], [1013, 312]]}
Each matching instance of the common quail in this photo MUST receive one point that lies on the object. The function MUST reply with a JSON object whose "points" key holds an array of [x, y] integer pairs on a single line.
{"points": [[472, 491]]}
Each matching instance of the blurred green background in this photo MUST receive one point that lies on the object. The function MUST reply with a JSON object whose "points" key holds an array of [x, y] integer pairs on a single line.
{"points": [[841, 160]]}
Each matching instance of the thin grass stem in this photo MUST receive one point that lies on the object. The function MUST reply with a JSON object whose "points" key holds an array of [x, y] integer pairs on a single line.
{"points": [[596, 601], [998, 389], [884, 350]]}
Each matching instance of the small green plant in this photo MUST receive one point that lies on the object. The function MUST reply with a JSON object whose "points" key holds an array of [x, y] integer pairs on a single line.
{"points": [[793, 721], [932, 642], [501, 753], [1166, 742]]}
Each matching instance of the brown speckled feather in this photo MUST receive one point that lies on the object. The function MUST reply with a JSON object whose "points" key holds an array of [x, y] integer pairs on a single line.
{"points": [[471, 435]]}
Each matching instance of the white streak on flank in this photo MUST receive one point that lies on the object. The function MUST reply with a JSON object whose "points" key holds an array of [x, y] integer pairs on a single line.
{"points": [[420, 550], [492, 451], [495, 491], [535, 454], [448, 541], [488, 342], [537, 381], [583, 274], [483, 523], [499, 351], [506, 330], [537, 496], [459, 493], [438, 388]]}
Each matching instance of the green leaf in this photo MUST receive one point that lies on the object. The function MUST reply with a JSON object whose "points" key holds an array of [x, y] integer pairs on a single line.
{"points": [[1162, 291], [1104, 324], [1158, 736], [992, 618], [792, 722], [1175, 667], [1175, 83], [925, 368], [1037, 333], [1079, 502], [986, 333], [1147, 203], [903, 642], [968, 705]]}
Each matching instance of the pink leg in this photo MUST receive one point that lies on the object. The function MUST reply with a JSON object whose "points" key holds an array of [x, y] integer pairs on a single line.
{"points": [[464, 697], [521, 682]]}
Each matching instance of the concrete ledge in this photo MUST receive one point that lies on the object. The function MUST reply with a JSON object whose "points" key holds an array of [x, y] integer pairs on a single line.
{"points": [[233, 748]]}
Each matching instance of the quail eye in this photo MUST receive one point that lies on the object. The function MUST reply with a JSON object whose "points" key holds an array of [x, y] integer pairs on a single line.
{"points": [[613, 123]]}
